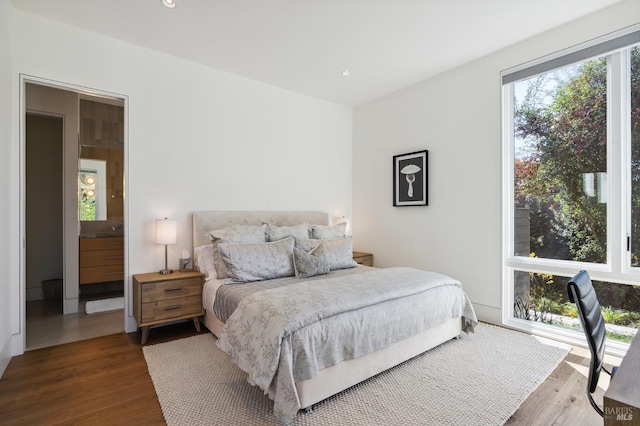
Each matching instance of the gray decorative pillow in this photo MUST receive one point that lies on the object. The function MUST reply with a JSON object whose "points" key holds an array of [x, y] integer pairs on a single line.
{"points": [[275, 233], [246, 262], [234, 234], [328, 232], [339, 251], [315, 262]]}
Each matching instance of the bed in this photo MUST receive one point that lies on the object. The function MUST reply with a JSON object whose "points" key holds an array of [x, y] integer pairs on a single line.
{"points": [[307, 368]]}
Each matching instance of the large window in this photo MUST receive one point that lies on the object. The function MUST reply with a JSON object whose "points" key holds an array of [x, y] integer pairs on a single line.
{"points": [[572, 186], [560, 164]]}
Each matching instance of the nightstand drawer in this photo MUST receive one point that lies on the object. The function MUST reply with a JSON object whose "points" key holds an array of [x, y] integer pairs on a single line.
{"points": [[171, 308], [168, 290]]}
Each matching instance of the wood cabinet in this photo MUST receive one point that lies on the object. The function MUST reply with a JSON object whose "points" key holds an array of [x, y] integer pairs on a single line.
{"points": [[101, 260], [363, 258], [161, 298]]}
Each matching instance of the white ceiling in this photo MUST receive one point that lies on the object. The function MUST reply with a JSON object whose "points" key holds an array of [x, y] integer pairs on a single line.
{"points": [[304, 45]]}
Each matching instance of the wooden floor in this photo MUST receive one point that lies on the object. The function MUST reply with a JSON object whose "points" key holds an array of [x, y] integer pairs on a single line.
{"points": [[104, 381], [562, 398], [100, 381]]}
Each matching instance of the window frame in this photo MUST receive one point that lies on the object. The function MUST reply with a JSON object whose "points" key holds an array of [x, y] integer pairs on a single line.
{"points": [[617, 268]]}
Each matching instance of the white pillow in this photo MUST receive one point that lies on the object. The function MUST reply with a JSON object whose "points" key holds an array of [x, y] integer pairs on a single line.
{"points": [[339, 251], [328, 232], [275, 233], [203, 258], [246, 262]]}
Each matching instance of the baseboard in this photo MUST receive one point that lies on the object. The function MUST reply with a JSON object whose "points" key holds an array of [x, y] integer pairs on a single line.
{"points": [[130, 325], [5, 356], [488, 314], [70, 306]]}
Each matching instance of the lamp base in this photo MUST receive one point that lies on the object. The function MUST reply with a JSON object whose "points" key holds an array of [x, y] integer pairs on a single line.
{"points": [[166, 271]]}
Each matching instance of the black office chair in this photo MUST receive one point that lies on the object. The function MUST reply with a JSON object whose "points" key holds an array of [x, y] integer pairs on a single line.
{"points": [[582, 293]]}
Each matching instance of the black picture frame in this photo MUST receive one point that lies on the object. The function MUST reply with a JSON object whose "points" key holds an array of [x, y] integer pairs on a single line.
{"points": [[410, 179]]}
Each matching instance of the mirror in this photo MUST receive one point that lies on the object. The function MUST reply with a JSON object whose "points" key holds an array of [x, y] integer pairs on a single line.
{"points": [[92, 190], [101, 160], [100, 184]]}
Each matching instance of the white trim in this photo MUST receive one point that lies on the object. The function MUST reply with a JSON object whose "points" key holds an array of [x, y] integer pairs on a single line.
{"points": [[565, 335], [617, 269], [507, 199], [20, 334], [625, 159], [570, 50]]}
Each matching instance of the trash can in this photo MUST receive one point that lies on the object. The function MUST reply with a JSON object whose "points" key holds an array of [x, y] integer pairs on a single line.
{"points": [[52, 290]]}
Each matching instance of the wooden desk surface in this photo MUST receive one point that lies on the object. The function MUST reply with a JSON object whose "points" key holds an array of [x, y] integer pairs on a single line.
{"points": [[622, 398]]}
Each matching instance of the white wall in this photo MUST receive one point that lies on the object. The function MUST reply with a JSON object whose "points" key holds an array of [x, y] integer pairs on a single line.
{"points": [[457, 117], [8, 283], [198, 138]]}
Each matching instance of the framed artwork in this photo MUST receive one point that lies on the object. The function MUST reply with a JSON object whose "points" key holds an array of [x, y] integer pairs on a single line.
{"points": [[410, 179]]}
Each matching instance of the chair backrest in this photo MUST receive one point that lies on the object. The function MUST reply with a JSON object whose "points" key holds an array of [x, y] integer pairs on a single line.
{"points": [[582, 293]]}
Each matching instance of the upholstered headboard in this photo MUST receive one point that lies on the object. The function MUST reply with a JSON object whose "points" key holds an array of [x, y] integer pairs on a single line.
{"points": [[206, 221]]}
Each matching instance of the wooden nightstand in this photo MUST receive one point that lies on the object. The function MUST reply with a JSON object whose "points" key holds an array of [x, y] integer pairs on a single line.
{"points": [[363, 258], [160, 299]]}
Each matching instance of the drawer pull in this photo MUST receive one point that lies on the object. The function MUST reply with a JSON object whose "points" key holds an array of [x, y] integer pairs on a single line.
{"points": [[114, 273], [172, 308], [111, 257], [173, 289]]}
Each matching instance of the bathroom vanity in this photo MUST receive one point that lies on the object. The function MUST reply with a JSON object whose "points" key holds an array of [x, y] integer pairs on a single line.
{"points": [[101, 258]]}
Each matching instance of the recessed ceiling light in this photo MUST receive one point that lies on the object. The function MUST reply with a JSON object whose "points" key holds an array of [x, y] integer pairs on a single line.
{"points": [[169, 3], [346, 73]]}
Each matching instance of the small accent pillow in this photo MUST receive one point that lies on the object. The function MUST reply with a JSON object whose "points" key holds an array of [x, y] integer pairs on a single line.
{"points": [[339, 251], [234, 234], [203, 258], [275, 233], [315, 262], [325, 232], [246, 262]]}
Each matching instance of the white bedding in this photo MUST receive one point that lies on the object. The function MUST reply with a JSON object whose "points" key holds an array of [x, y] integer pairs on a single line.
{"points": [[287, 334], [211, 285], [209, 291], [340, 375]]}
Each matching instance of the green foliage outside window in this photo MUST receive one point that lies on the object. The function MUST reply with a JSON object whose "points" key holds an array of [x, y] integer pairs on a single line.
{"points": [[561, 134], [564, 139], [86, 201]]}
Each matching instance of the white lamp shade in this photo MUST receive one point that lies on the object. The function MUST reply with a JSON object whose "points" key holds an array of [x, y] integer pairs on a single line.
{"points": [[165, 231]]}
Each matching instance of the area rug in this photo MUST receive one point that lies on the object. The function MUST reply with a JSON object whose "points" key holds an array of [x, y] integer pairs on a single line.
{"points": [[103, 305], [479, 379]]}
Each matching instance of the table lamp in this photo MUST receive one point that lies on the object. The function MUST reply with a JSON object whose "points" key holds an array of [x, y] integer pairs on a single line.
{"points": [[165, 234]]}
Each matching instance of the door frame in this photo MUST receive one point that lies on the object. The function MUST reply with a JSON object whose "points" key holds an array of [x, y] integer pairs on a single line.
{"points": [[68, 246]]}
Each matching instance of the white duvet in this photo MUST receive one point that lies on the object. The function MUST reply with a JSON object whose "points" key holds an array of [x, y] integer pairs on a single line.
{"points": [[287, 334]]}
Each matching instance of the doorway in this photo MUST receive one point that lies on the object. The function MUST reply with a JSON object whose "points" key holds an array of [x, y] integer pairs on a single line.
{"points": [[61, 126]]}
